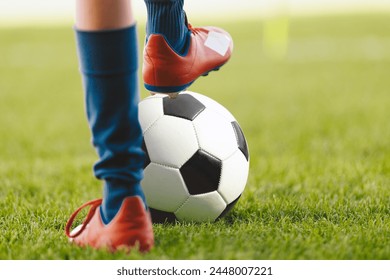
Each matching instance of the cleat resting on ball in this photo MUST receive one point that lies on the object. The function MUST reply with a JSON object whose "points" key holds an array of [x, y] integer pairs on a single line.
{"points": [[165, 70]]}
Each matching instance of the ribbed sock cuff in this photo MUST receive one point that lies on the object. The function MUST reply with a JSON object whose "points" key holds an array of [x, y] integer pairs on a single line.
{"points": [[162, 0], [108, 52], [167, 18]]}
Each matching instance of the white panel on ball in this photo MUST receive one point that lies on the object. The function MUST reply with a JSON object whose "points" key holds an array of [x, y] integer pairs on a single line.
{"points": [[164, 188], [213, 105], [215, 134], [151, 110], [175, 141], [201, 208], [233, 177]]}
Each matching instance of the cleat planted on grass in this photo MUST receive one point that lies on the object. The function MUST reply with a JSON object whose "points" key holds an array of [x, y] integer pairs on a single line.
{"points": [[131, 228]]}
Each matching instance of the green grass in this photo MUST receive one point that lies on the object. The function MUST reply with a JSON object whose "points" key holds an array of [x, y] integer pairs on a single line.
{"points": [[317, 124]]}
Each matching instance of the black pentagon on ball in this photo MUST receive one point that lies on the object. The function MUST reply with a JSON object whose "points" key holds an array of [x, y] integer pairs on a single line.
{"points": [[161, 217], [201, 173], [241, 141], [147, 158], [183, 106], [229, 207]]}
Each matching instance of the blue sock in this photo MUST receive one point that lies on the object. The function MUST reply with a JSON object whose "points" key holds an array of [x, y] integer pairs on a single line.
{"points": [[114, 192], [167, 17], [109, 64]]}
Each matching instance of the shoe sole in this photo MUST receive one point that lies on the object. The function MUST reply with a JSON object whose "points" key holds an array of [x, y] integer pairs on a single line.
{"points": [[173, 91]]}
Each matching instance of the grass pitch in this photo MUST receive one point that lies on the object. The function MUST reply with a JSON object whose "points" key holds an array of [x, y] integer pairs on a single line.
{"points": [[316, 120]]}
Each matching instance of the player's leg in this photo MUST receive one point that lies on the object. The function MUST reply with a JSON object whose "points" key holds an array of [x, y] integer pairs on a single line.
{"points": [[175, 53], [107, 48], [95, 15]]}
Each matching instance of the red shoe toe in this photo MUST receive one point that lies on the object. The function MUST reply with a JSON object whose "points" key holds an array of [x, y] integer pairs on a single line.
{"points": [[165, 71]]}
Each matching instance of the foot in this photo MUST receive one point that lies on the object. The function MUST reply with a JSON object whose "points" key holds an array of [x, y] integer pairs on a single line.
{"points": [[166, 71], [130, 228]]}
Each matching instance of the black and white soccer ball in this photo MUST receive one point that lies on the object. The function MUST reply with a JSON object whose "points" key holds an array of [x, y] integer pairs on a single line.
{"points": [[197, 158]]}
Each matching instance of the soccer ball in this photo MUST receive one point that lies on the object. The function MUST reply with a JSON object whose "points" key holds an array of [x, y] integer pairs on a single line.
{"points": [[197, 158]]}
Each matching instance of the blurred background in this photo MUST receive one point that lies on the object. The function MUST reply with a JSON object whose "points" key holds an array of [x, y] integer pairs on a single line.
{"points": [[326, 59], [60, 11]]}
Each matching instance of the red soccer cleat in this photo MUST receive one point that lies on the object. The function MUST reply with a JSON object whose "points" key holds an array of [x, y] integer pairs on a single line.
{"points": [[131, 227], [165, 71]]}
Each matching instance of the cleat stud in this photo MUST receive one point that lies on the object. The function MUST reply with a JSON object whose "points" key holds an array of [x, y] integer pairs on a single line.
{"points": [[173, 95]]}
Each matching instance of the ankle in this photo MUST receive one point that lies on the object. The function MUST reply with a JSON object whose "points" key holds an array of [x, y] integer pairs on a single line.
{"points": [[168, 19], [114, 192]]}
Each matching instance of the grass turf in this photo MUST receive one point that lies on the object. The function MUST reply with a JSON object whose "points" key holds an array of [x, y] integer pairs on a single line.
{"points": [[317, 124]]}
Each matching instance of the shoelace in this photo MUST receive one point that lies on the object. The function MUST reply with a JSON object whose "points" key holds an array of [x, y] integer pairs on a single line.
{"points": [[192, 29], [94, 204]]}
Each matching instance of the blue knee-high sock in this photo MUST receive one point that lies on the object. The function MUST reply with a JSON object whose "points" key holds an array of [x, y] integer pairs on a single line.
{"points": [[167, 17], [109, 64]]}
